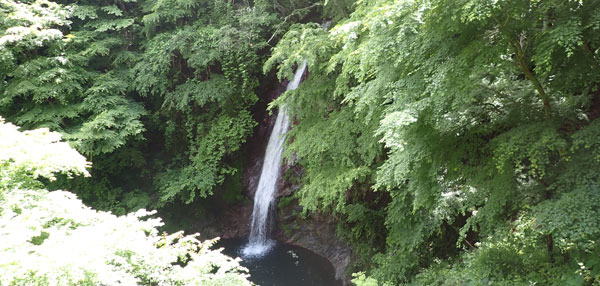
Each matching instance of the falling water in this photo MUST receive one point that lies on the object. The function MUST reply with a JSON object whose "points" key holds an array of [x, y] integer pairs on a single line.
{"points": [[259, 242]]}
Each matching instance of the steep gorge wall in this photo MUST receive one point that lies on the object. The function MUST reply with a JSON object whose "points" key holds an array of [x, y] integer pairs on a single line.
{"points": [[315, 232]]}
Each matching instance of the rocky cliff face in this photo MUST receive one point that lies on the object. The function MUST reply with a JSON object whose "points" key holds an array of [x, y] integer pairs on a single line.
{"points": [[316, 232]]}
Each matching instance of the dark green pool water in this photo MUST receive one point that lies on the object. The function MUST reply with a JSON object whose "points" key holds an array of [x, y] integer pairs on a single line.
{"points": [[284, 265]]}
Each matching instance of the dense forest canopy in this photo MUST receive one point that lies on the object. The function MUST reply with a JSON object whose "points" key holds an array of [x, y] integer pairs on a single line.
{"points": [[454, 141]]}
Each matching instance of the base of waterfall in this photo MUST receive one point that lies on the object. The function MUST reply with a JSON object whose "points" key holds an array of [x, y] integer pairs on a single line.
{"points": [[253, 250], [282, 264]]}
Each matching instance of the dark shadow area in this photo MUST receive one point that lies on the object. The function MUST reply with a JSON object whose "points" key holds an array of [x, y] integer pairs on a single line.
{"points": [[284, 265]]}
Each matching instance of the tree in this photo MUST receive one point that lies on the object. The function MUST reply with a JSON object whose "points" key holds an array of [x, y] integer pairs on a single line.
{"points": [[477, 105], [51, 238]]}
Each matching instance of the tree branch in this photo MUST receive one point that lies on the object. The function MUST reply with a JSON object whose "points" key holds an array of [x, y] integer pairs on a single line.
{"points": [[295, 12], [523, 64]]}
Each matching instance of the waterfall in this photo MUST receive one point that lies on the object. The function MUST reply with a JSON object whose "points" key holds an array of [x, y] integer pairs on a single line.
{"points": [[259, 241]]}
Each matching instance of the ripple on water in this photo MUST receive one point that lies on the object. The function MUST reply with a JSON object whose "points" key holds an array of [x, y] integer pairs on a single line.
{"points": [[282, 264]]}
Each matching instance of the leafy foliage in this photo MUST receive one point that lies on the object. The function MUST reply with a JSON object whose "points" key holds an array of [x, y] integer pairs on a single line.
{"points": [[481, 107], [31, 155], [162, 89], [199, 68], [454, 140], [49, 77], [51, 238]]}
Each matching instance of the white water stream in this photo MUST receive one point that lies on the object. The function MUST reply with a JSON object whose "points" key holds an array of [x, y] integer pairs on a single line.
{"points": [[259, 242]]}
